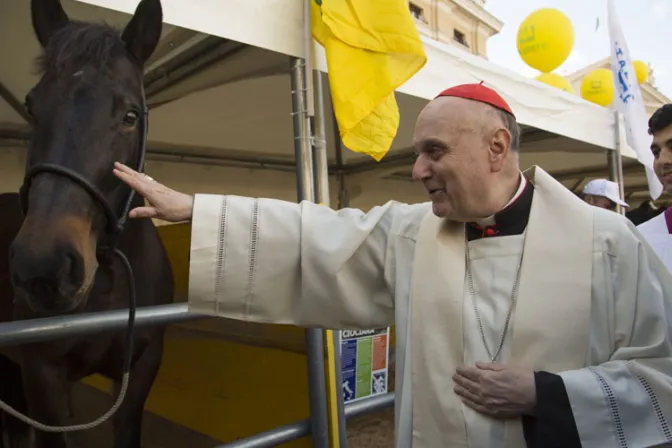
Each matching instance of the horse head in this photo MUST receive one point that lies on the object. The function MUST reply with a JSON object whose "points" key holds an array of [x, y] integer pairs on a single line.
{"points": [[87, 111]]}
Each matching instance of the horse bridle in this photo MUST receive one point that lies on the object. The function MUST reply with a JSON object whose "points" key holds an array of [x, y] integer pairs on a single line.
{"points": [[115, 223], [115, 227]]}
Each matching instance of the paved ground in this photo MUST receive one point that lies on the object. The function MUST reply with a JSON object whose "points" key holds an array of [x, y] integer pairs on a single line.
{"points": [[372, 431]]}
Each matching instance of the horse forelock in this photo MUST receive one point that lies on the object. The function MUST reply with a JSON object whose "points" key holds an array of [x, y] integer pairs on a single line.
{"points": [[78, 44]]}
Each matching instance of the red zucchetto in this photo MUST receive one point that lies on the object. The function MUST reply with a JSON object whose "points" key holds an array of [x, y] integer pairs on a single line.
{"points": [[478, 92]]}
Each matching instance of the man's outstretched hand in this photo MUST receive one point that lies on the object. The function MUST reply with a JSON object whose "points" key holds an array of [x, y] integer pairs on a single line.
{"points": [[164, 203]]}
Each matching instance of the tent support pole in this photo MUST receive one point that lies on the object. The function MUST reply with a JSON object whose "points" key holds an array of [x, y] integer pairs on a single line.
{"points": [[319, 424], [615, 162]]}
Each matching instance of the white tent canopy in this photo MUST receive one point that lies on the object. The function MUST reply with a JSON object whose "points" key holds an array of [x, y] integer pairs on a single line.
{"points": [[219, 90]]}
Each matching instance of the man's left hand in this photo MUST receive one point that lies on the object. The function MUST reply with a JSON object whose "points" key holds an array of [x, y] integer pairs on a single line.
{"points": [[497, 390]]}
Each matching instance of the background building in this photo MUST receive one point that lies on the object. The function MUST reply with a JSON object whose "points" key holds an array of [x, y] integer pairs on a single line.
{"points": [[464, 23]]}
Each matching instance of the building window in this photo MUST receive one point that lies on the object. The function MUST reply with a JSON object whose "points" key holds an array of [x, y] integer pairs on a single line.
{"points": [[459, 37], [417, 12]]}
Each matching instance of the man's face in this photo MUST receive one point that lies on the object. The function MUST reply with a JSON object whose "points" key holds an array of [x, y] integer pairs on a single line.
{"points": [[662, 153], [600, 201], [454, 162]]}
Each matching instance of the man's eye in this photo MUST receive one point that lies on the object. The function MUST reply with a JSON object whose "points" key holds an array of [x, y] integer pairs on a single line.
{"points": [[435, 153]]}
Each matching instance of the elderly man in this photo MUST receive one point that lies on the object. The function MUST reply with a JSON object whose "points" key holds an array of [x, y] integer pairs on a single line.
{"points": [[603, 193], [524, 316], [658, 231]]}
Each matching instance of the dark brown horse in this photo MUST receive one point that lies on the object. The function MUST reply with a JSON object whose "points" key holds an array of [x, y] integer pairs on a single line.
{"points": [[87, 111]]}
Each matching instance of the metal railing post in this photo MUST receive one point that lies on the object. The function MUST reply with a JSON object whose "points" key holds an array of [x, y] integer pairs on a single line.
{"points": [[305, 191]]}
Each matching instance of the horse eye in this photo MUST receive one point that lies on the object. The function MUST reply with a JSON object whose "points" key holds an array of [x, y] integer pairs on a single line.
{"points": [[130, 118]]}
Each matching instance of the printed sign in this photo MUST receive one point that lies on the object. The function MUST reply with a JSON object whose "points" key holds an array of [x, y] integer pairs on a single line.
{"points": [[364, 362]]}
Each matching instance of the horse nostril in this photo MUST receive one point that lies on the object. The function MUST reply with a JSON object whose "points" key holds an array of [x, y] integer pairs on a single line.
{"points": [[71, 274]]}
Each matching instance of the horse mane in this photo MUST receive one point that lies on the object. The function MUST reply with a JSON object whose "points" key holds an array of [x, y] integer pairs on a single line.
{"points": [[79, 43]]}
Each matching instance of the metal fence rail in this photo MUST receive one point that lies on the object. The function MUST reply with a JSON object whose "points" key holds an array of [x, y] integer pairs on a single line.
{"points": [[48, 328], [296, 430]]}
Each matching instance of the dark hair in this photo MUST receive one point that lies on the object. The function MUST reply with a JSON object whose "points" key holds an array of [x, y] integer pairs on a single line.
{"points": [[77, 43], [512, 126], [660, 119]]}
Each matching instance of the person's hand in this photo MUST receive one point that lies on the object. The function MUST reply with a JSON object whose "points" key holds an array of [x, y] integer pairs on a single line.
{"points": [[497, 390], [164, 203]]}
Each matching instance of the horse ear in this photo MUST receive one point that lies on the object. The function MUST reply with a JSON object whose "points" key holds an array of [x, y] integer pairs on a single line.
{"points": [[48, 17], [143, 32]]}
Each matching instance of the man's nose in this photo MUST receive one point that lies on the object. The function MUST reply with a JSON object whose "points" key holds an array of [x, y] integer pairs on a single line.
{"points": [[420, 169], [665, 157]]}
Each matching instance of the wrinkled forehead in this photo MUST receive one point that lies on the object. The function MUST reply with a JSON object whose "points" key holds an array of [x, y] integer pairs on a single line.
{"points": [[447, 119]]}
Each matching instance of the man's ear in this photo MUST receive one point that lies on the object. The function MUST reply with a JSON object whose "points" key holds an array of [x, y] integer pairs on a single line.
{"points": [[500, 146]]}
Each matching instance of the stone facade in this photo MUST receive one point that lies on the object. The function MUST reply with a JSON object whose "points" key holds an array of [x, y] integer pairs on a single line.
{"points": [[464, 23]]}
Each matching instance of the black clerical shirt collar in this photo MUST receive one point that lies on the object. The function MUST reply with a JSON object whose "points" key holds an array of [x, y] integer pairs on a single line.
{"points": [[511, 220]]}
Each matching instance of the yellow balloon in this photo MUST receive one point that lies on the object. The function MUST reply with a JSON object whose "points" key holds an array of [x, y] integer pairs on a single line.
{"points": [[642, 71], [598, 87], [545, 39], [555, 80]]}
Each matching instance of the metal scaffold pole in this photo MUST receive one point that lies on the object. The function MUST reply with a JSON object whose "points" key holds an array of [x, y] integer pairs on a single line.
{"points": [[305, 192], [302, 111]]}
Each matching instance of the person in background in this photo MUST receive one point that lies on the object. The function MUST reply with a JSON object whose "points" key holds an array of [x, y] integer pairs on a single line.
{"points": [[658, 231], [604, 194], [524, 316], [648, 209]]}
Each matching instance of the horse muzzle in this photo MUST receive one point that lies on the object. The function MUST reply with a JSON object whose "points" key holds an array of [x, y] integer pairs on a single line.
{"points": [[49, 280]]}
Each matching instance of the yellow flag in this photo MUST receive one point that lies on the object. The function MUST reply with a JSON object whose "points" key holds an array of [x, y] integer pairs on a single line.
{"points": [[372, 48]]}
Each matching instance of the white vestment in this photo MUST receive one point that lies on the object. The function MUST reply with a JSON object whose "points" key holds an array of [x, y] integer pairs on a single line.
{"points": [[594, 304], [656, 233]]}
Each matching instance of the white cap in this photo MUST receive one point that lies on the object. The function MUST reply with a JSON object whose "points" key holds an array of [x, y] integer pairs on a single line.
{"points": [[606, 189]]}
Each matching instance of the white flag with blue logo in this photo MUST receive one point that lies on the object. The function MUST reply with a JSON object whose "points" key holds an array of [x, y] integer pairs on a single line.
{"points": [[628, 101]]}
